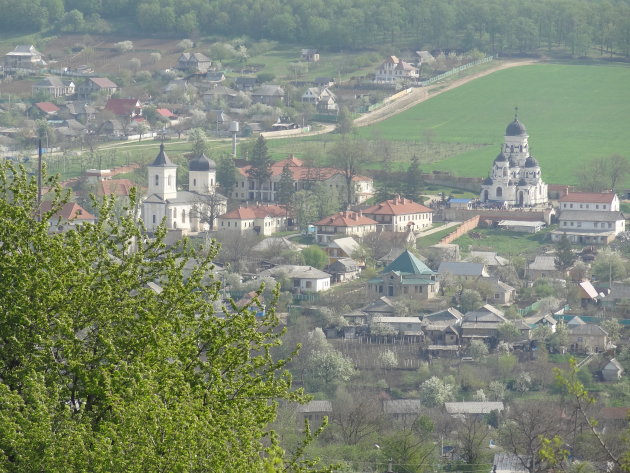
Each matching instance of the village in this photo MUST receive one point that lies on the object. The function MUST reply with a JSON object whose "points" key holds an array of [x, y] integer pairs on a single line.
{"points": [[398, 321]]}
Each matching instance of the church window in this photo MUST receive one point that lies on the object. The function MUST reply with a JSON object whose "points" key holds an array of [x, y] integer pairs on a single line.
{"points": [[595, 224], [157, 179], [505, 172], [183, 216], [211, 182], [512, 149], [153, 218], [499, 192], [169, 181], [195, 182]]}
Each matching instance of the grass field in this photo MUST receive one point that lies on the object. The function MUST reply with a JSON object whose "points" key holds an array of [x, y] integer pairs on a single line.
{"points": [[573, 113], [504, 242]]}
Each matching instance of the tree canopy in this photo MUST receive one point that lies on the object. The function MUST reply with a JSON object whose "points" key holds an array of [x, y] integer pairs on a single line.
{"points": [[115, 359]]}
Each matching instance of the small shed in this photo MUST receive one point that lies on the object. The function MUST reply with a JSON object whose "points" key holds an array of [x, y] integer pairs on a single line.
{"points": [[612, 371], [314, 412], [524, 226]]}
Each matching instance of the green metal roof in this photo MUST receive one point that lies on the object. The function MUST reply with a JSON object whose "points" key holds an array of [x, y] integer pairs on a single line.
{"points": [[407, 263]]}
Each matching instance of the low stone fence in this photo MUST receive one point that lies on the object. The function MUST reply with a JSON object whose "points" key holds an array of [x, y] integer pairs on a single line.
{"points": [[283, 133]]}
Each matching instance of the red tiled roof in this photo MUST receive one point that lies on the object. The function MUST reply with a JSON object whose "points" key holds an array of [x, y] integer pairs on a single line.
{"points": [[346, 219], [120, 187], [103, 82], [165, 112], [69, 211], [300, 172], [259, 211], [47, 107], [596, 197], [122, 106], [397, 206]]}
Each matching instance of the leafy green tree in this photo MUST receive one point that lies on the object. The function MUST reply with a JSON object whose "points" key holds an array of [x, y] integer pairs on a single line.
{"points": [[100, 372], [345, 122], [469, 300], [564, 254], [410, 453], [199, 140], [260, 169], [315, 256], [609, 265], [434, 392], [303, 208], [478, 349], [508, 332], [560, 338], [330, 365], [613, 328], [226, 174]]}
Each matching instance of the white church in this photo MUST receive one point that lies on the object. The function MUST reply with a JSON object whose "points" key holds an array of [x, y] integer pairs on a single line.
{"points": [[188, 211], [515, 176]]}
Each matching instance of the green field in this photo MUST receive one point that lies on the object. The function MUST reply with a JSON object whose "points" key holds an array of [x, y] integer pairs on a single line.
{"points": [[573, 113]]}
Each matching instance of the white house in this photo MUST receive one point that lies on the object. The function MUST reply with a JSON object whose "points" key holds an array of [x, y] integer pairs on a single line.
{"points": [[394, 69], [589, 217], [344, 223], [304, 278], [190, 211], [400, 215], [261, 220]]}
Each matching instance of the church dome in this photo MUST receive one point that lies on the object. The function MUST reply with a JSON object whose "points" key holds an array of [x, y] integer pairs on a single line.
{"points": [[500, 158], [531, 162], [522, 182], [515, 128], [202, 163], [487, 181]]}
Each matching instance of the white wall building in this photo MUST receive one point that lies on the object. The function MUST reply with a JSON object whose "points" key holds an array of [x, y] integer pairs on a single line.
{"points": [[515, 177], [189, 211]]}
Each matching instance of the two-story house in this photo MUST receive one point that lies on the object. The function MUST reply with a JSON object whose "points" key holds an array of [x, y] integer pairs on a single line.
{"points": [[400, 215], [94, 85], [24, 56], [127, 108], [261, 220], [268, 94], [589, 218], [394, 69], [195, 63], [322, 98], [406, 276], [346, 223], [53, 86]]}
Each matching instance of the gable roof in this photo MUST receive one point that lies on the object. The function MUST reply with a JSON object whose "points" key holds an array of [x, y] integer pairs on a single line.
{"points": [[408, 263], [348, 245], [490, 258], [47, 107], [397, 206], [473, 407], [486, 313], [103, 82], [402, 406], [346, 218], [119, 187], [444, 315], [613, 365], [588, 288], [315, 406], [258, 211], [543, 263], [462, 268], [296, 271], [122, 106], [68, 211], [382, 305], [588, 197]]}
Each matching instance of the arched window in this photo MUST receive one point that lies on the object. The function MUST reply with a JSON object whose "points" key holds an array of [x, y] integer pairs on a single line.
{"points": [[505, 172], [169, 181], [183, 216], [499, 192], [195, 182], [157, 179], [154, 216]]}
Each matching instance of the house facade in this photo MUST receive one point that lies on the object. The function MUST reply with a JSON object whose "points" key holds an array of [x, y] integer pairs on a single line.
{"points": [[406, 276], [24, 56], [263, 220], [515, 177], [93, 85], [589, 218], [303, 278], [346, 223], [124, 108], [195, 63], [394, 69], [53, 86], [400, 215], [303, 176]]}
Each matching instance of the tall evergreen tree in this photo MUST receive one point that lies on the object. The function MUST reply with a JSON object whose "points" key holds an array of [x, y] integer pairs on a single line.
{"points": [[226, 174], [260, 163], [564, 254], [413, 180], [286, 186]]}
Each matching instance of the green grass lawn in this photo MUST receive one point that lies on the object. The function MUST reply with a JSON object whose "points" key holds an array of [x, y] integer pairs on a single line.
{"points": [[504, 242], [573, 113], [434, 238]]}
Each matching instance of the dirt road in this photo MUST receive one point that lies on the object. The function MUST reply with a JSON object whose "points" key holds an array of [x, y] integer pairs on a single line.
{"points": [[421, 94]]}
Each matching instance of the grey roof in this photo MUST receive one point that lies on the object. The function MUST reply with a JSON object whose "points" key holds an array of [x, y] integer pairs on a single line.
{"points": [[275, 243], [619, 291], [475, 407], [510, 463], [162, 159], [201, 163], [348, 245], [402, 406], [485, 314], [381, 305], [499, 285], [531, 162], [315, 406], [515, 128], [613, 365], [461, 268], [50, 81], [446, 315], [587, 329], [544, 263], [295, 271], [343, 264], [490, 258], [591, 216], [383, 319]]}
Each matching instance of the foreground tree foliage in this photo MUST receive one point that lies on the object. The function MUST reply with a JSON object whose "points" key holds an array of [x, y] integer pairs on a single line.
{"points": [[99, 372]]}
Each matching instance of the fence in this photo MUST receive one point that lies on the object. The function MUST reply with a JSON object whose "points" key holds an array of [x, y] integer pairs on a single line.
{"points": [[461, 230], [446, 74]]}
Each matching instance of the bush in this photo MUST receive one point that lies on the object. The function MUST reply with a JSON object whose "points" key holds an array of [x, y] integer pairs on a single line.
{"points": [[124, 46]]}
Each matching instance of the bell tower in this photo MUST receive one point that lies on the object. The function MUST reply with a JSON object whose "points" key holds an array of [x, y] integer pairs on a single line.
{"points": [[162, 176]]}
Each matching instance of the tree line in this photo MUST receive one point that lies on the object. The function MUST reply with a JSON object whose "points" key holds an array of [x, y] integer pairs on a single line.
{"points": [[492, 26]]}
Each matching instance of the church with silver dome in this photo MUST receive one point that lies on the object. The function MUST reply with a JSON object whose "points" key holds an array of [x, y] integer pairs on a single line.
{"points": [[515, 179], [191, 211]]}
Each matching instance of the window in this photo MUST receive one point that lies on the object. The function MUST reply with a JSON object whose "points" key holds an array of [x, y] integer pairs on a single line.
{"points": [[195, 182], [157, 179], [595, 224], [580, 205], [609, 225], [564, 224], [183, 216], [604, 206], [570, 205], [169, 181], [597, 206], [309, 284], [153, 218], [571, 223], [579, 224]]}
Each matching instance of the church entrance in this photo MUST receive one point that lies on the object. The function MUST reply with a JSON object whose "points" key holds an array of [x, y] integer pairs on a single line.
{"points": [[520, 198], [485, 195]]}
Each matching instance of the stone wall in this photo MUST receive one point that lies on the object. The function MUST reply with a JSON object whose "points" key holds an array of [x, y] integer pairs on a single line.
{"points": [[464, 228], [495, 215]]}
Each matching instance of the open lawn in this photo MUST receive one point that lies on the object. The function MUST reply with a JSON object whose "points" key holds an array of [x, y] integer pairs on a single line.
{"points": [[504, 242], [573, 113]]}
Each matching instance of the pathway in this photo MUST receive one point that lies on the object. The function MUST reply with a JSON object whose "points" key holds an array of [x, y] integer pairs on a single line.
{"points": [[438, 229]]}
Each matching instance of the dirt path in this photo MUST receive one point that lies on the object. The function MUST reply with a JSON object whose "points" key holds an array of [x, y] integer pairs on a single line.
{"points": [[421, 94]]}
